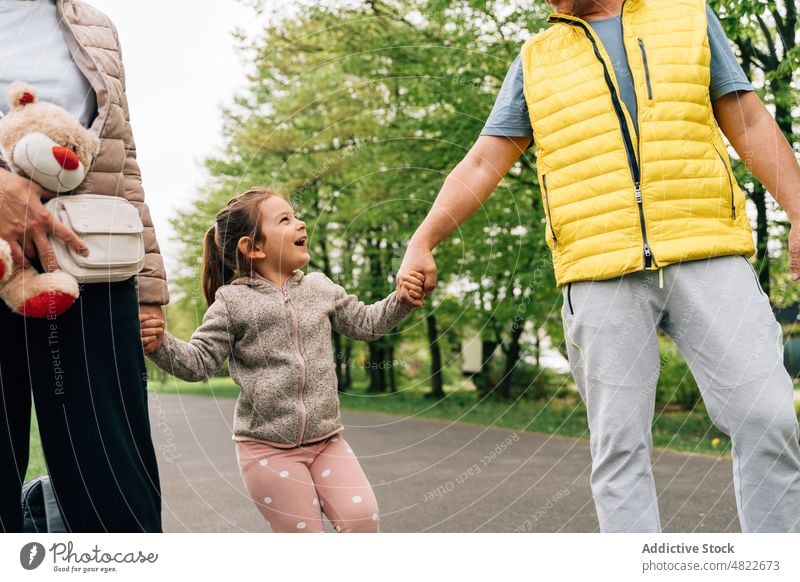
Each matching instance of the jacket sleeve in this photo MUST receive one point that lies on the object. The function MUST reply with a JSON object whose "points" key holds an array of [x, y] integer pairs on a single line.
{"points": [[202, 355], [152, 279], [356, 320]]}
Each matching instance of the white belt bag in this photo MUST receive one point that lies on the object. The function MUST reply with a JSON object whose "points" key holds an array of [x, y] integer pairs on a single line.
{"points": [[110, 227]]}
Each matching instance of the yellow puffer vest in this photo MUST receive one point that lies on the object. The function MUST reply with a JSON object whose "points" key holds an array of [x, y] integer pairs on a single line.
{"points": [[616, 203]]}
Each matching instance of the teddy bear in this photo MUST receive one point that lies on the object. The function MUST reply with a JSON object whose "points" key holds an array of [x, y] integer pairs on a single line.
{"points": [[43, 142]]}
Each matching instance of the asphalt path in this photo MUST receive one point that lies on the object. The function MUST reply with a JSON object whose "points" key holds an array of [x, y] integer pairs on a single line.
{"points": [[428, 476]]}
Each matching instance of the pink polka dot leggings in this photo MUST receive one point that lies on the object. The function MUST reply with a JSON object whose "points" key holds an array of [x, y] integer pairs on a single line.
{"points": [[293, 487]]}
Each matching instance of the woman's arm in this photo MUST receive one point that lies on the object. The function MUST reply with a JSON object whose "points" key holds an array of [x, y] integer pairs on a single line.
{"points": [[202, 355]]}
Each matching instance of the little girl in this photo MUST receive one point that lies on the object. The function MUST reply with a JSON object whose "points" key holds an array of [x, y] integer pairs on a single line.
{"points": [[275, 324]]}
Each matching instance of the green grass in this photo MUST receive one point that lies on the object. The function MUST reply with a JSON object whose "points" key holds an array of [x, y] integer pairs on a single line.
{"points": [[36, 464], [676, 430]]}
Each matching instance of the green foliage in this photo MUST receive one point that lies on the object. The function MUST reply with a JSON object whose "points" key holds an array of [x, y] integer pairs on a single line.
{"points": [[676, 385], [530, 381], [359, 110]]}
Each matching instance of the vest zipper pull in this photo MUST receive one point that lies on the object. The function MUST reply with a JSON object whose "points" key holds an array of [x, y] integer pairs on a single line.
{"points": [[638, 190]]}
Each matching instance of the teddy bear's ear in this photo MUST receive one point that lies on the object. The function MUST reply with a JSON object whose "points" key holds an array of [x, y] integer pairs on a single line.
{"points": [[20, 94]]}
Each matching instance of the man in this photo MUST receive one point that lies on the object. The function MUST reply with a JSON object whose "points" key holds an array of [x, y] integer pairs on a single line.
{"points": [[648, 229]]}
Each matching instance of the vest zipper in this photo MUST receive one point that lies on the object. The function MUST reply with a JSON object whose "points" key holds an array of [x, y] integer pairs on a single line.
{"points": [[301, 360], [547, 210], [633, 163], [730, 183], [646, 69]]}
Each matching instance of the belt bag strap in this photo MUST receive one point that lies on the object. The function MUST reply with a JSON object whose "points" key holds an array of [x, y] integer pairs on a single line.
{"points": [[110, 227]]}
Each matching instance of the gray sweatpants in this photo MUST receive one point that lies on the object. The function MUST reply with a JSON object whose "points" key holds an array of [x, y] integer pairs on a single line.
{"points": [[723, 325]]}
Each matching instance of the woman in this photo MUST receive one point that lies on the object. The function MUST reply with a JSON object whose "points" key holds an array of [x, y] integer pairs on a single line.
{"points": [[86, 367]]}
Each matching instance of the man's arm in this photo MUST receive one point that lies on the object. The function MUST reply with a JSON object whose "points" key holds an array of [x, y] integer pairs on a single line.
{"points": [[466, 188], [763, 148]]}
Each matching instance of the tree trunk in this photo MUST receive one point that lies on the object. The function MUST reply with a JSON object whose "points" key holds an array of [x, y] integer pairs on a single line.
{"points": [[483, 377], [340, 361], [390, 367], [762, 238], [512, 358], [437, 389], [348, 366], [377, 367]]}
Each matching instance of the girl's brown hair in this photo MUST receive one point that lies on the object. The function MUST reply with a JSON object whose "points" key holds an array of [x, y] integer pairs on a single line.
{"points": [[222, 260]]}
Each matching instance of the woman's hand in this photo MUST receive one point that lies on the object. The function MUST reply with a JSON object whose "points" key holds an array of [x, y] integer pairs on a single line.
{"points": [[151, 320], [411, 287], [25, 223]]}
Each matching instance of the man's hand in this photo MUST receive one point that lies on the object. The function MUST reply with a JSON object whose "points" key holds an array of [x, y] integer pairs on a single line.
{"points": [[25, 222], [419, 259], [151, 319]]}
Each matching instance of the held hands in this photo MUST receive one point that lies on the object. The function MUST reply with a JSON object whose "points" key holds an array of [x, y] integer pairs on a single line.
{"points": [[151, 320], [418, 261]]}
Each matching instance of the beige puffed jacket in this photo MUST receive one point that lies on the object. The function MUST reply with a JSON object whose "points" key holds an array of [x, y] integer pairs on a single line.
{"points": [[95, 48]]}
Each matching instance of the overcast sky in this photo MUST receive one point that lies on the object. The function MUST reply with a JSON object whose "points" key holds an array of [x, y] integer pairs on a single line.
{"points": [[181, 67]]}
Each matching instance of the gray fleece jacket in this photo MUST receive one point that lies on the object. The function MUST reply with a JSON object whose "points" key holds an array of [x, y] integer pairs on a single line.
{"points": [[279, 343]]}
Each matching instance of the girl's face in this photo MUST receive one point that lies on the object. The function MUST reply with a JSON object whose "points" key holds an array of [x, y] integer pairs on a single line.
{"points": [[282, 247]]}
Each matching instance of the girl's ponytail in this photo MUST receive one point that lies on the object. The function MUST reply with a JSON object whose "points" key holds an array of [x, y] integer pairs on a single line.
{"points": [[215, 273]]}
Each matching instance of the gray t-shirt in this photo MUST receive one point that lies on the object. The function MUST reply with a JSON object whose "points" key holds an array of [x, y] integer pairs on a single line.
{"points": [[33, 49], [509, 116]]}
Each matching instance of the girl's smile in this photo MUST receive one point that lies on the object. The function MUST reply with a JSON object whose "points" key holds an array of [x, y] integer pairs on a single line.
{"points": [[281, 247]]}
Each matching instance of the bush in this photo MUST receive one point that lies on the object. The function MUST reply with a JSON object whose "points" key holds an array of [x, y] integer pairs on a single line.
{"points": [[529, 381], [676, 385]]}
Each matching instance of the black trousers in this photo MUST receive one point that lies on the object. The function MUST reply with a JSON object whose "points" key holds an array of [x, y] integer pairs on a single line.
{"points": [[86, 372]]}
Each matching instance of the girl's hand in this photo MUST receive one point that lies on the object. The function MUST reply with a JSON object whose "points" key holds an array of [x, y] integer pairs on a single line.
{"points": [[411, 289], [152, 325]]}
